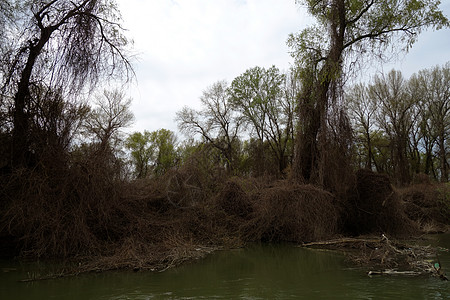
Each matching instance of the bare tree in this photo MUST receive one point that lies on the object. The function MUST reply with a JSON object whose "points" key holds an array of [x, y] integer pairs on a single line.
{"points": [[111, 114], [216, 122], [433, 89], [362, 111], [279, 111], [396, 116], [54, 124]]}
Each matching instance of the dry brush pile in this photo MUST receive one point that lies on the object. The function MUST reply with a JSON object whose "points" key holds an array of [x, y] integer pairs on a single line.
{"points": [[428, 205]]}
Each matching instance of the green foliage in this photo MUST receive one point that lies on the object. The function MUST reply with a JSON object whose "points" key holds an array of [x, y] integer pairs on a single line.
{"points": [[355, 29], [164, 142], [367, 27], [266, 100], [142, 152], [254, 95], [152, 152]]}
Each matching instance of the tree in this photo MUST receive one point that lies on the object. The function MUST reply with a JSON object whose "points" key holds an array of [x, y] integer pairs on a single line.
{"points": [[280, 117], [265, 99], [362, 109], [166, 156], [432, 87], [142, 152], [396, 115], [55, 123], [66, 45], [152, 151], [111, 114], [355, 28], [217, 122]]}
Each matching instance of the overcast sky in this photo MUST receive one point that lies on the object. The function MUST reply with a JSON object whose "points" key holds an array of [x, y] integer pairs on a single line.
{"points": [[184, 46]]}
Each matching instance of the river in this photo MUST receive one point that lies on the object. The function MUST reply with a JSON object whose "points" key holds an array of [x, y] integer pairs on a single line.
{"points": [[256, 272]]}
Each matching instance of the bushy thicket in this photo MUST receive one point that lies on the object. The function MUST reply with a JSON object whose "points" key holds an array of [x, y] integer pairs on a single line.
{"points": [[81, 211]]}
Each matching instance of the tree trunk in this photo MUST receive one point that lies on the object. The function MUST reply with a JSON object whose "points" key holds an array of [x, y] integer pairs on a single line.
{"points": [[369, 151], [20, 139], [306, 154], [314, 109], [443, 159]]}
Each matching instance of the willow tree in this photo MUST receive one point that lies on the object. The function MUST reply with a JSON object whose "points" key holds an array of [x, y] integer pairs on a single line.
{"points": [[63, 45], [345, 32]]}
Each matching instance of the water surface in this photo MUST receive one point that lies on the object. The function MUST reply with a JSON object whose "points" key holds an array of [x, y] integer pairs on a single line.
{"points": [[257, 272]]}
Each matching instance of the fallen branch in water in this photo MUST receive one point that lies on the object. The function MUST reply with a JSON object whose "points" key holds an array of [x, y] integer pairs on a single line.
{"points": [[393, 257], [394, 272], [340, 241]]}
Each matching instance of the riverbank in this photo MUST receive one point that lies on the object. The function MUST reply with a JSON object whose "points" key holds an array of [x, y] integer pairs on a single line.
{"points": [[158, 224]]}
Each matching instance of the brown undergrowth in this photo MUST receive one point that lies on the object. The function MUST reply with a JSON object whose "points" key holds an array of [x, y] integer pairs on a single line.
{"points": [[293, 213], [428, 204], [101, 222], [376, 207]]}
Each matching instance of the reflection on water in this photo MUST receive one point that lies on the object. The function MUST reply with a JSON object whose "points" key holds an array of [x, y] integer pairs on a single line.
{"points": [[258, 272]]}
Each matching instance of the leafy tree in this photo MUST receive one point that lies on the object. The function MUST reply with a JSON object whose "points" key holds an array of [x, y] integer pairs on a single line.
{"points": [[354, 29], [251, 93], [263, 98], [62, 44], [166, 155], [142, 152], [152, 152]]}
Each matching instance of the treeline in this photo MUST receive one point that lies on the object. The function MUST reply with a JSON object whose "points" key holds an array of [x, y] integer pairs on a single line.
{"points": [[401, 126]]}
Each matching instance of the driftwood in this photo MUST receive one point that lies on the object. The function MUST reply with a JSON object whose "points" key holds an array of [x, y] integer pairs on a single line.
{"points": [[394, 272], [340, 241], [392, 257]]}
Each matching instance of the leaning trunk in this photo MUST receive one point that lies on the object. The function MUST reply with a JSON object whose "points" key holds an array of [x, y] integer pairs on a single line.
{"points": [[20, 140]]}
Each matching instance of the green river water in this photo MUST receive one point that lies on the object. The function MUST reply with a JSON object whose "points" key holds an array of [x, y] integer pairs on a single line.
{"points": [[257, 272]]}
